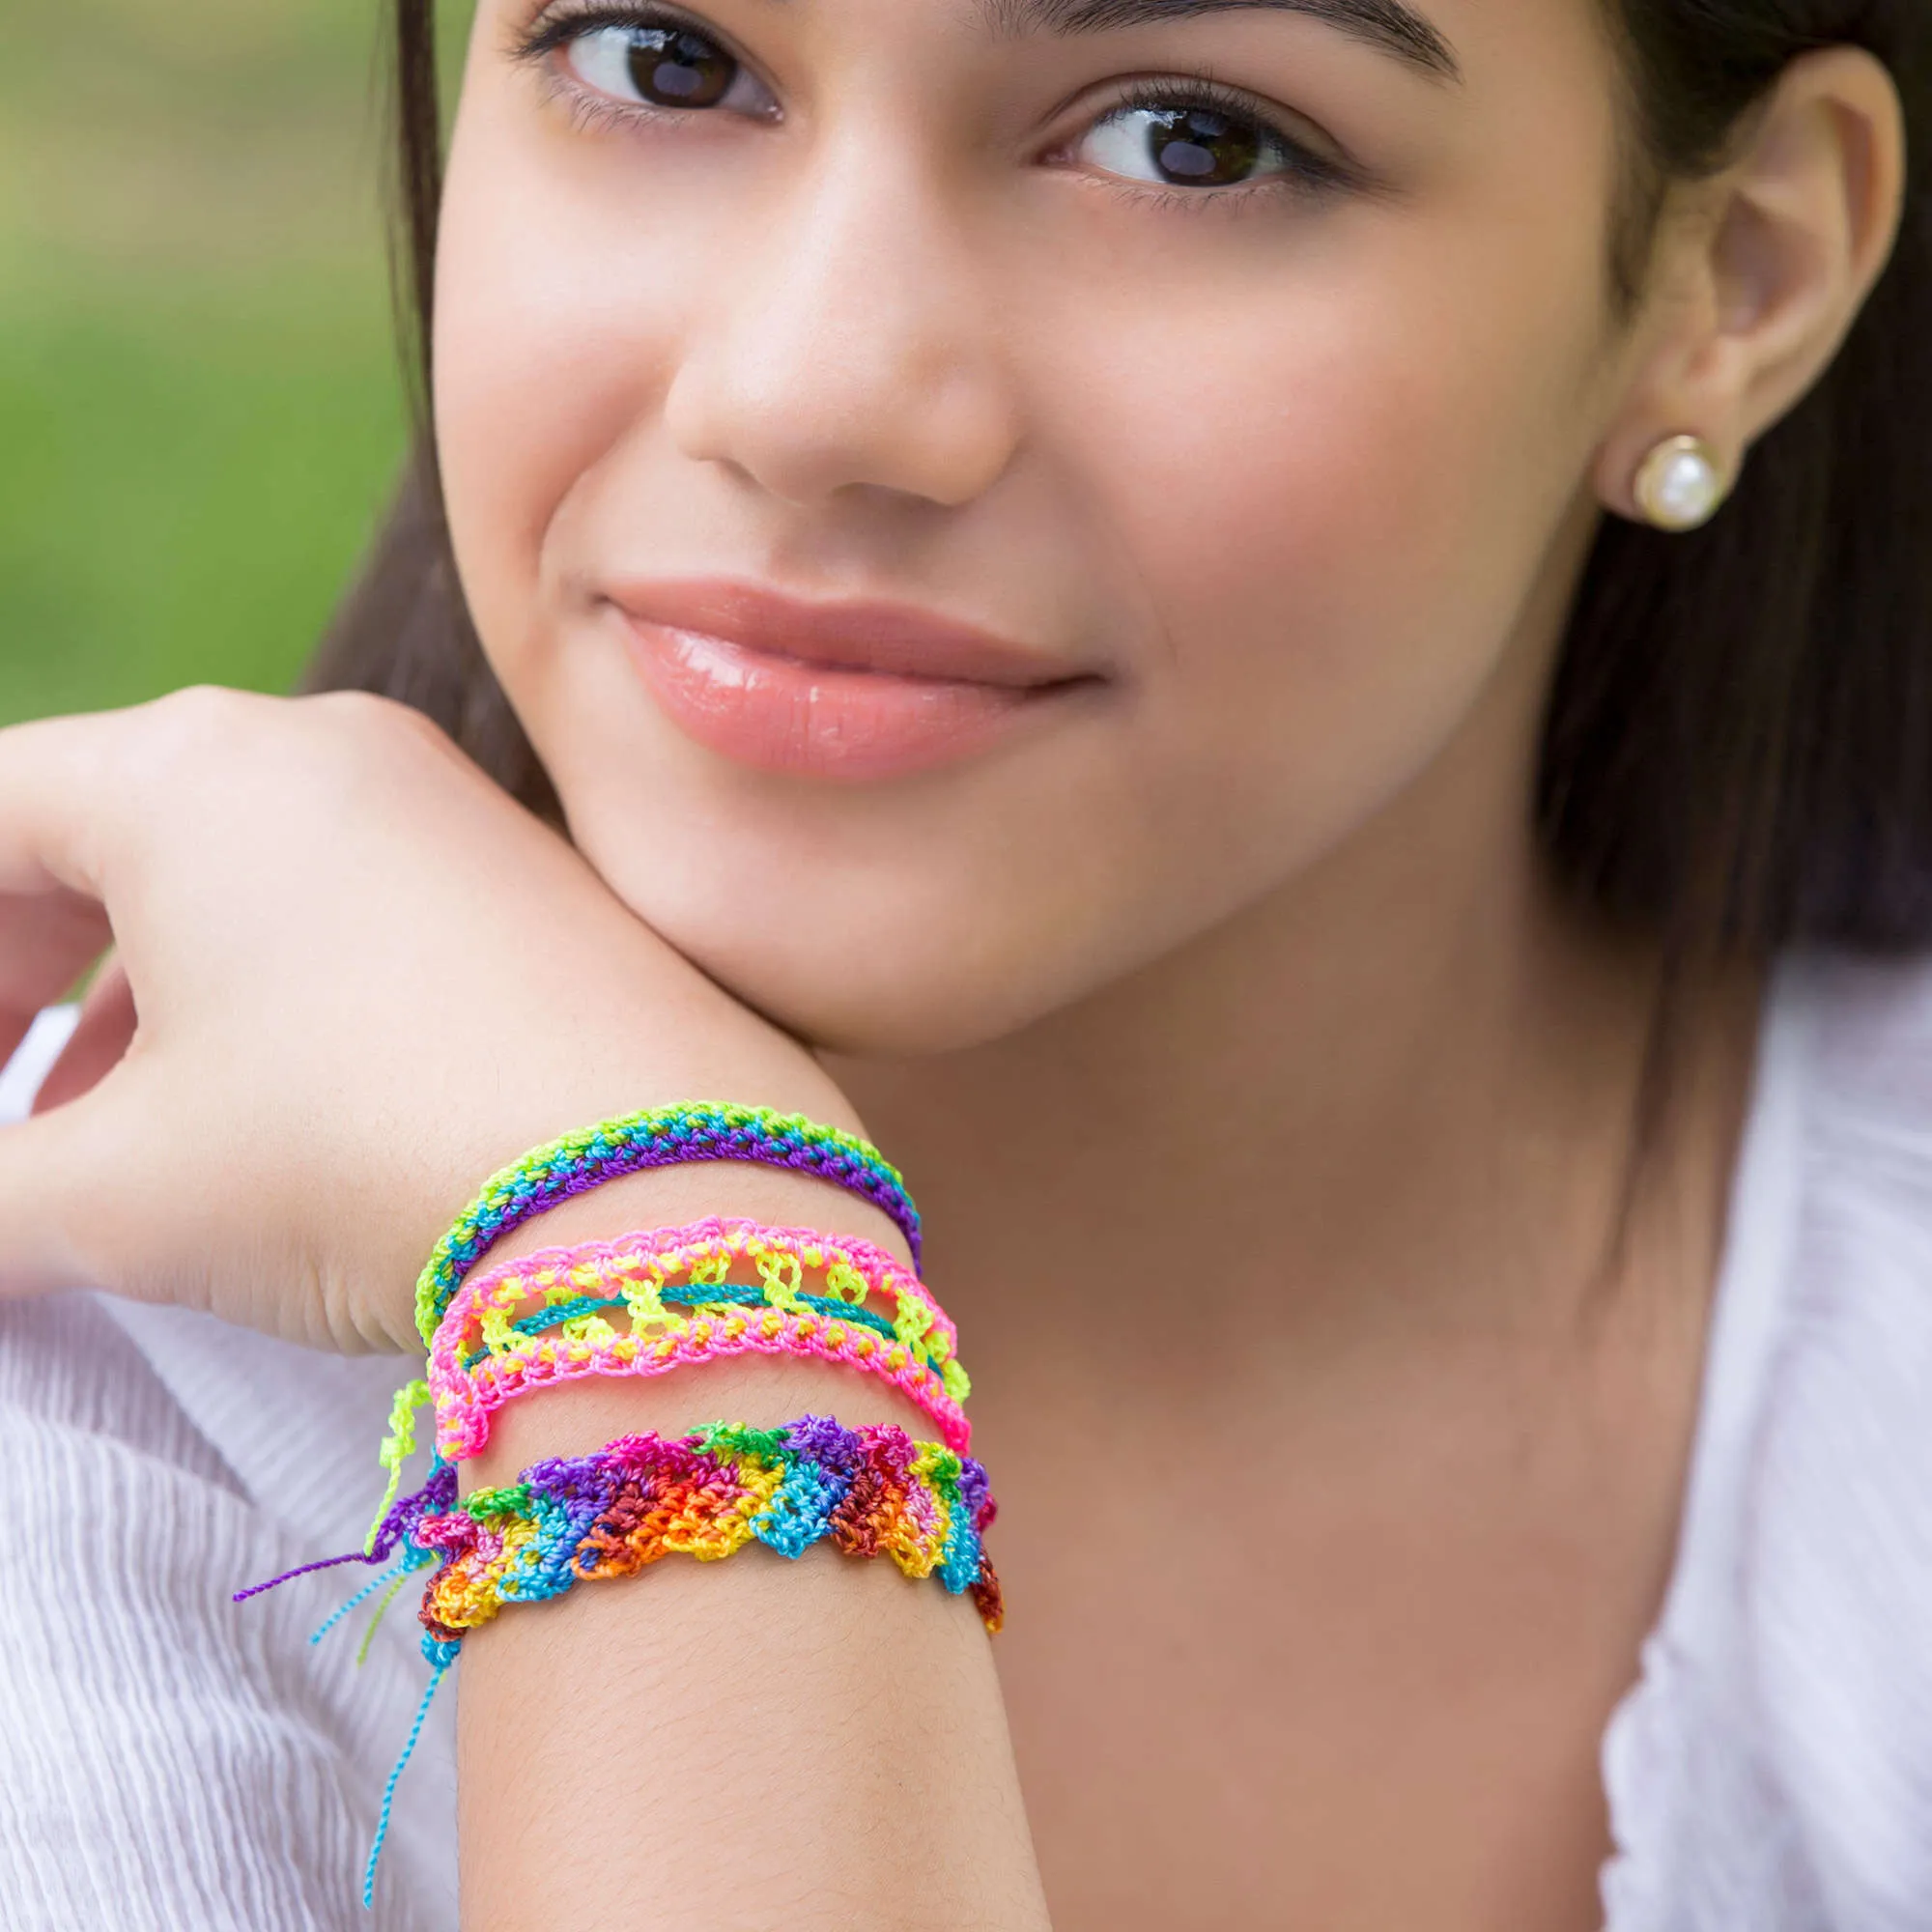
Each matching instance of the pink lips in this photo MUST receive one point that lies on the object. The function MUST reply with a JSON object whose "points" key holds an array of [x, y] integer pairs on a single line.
{"points": [[852, 690]]}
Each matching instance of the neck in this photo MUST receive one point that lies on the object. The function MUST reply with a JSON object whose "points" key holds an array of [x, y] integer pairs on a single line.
{"points": [[1404, 1085]]}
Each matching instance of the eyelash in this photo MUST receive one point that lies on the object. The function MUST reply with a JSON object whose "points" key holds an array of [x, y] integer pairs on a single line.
{"points": [[1306, 171], [562, 21]]}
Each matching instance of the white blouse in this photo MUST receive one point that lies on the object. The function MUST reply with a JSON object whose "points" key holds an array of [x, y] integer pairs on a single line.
{"points": [[1772, 1770], [171, 1760]]}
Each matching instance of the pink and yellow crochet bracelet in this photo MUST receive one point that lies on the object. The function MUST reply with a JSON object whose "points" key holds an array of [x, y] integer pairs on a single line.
{"points": [[683, 1296]]}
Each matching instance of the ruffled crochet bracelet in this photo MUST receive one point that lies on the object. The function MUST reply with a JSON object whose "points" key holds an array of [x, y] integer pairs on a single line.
{"points": [[869, 1492], [550, 1317]]}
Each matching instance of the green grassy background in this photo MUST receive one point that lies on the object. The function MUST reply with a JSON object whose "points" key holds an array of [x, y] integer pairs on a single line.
{"points": [[199, 408]]}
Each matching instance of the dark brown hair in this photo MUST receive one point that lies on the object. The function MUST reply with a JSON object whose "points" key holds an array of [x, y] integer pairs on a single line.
{"points": [[1738, 751]]}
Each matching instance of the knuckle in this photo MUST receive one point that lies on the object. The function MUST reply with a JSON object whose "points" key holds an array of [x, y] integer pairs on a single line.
{"points": [[191, 727], [365, 718], [218, 702], [266, 767], [196, 707]]}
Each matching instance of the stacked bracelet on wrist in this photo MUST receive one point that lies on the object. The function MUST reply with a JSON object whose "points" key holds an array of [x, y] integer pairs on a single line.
{"points": [[643, 1306], [664, 1137], [549, 1318], [575, 1163], [867, 1492]]}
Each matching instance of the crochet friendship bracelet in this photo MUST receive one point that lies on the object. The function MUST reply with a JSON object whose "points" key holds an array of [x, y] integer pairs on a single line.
{"points": [[546, 1318], [869, 1492], [662, 1137]]}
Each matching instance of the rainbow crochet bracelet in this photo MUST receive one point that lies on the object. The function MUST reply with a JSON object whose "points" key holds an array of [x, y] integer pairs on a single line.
{"points": [[661, 1137], [867, 1492], [552, 1316]]}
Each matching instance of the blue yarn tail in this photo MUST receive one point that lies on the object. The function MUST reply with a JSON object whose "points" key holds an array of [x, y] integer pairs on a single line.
{"points": [[395, 1777], [356, 1601]]}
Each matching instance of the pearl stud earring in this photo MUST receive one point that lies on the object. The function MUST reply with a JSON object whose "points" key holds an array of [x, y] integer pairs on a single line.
{"points": [[1681, 486]]}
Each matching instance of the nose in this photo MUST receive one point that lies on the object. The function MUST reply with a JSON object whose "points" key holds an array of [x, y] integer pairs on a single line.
{"points": [[856, 353]]}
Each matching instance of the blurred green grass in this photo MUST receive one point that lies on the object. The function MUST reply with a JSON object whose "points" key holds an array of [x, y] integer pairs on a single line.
{"points": [[199, 407]]}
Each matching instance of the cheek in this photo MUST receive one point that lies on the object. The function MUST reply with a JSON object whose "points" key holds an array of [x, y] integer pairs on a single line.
{"points": [[555, 341], [1336, 506]]}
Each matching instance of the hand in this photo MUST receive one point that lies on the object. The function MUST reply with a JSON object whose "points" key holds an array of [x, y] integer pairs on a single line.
{"points": [[350, 979], [364, 979]]}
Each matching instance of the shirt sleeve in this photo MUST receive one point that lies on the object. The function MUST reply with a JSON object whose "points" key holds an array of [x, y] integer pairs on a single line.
{"points": [[170, 1759]]}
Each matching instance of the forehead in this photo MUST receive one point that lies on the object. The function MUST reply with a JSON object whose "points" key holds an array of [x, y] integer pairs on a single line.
{"points": [[1397, 27], [1461, 46], [1392, 25]]}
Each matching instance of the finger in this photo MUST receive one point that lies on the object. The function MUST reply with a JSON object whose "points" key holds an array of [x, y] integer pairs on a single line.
{"points": [[50, 1168], [52, 924], [47, 941], [57, 782], [98, 1044], [114, 1190]]}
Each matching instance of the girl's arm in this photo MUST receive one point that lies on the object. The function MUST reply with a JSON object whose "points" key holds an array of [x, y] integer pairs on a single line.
{"points": [[817, 1744], [356, 981], [807, 1745]]}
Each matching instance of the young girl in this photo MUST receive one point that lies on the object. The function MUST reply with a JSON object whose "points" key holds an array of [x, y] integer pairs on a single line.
{"points": [[1287, 641]]}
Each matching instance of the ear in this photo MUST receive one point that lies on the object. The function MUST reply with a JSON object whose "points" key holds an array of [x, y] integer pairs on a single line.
{"points": [[1762, 269]]}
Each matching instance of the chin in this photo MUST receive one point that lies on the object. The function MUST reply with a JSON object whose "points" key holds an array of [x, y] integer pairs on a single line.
{"points": [[874, 935], [860, 969], [912, 1001]]}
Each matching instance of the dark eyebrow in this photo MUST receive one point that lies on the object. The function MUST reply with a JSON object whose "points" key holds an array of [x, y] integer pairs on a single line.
{"points": [[1388, 24]]}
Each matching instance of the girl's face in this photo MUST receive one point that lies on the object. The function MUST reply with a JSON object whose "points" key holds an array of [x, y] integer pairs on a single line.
{"points": [[967, 495]]}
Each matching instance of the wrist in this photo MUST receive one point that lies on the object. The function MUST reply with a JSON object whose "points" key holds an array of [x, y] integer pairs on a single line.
{"points": [[662, 1197], [571, 1418], [563, 1416]]}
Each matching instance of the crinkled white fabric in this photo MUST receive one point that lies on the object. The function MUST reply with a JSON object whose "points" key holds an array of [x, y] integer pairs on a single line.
{"points": [[171, 1761], [1772, 1771], [168, 1760]]}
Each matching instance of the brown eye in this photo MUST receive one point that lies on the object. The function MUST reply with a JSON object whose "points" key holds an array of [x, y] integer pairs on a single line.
{"points": [[1206, 149], [1184, 147], [677, 69], [656, 67]]}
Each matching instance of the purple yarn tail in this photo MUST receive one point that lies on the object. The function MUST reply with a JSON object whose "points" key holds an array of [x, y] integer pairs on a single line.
{"points": [[436, 1497], [289, 1575]]}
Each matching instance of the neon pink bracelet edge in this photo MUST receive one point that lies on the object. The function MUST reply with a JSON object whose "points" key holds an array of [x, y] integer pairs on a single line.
{"points": [[467, 1392]]}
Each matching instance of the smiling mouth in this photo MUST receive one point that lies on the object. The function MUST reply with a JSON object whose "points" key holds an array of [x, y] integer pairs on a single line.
{"points": [[852, 692]]}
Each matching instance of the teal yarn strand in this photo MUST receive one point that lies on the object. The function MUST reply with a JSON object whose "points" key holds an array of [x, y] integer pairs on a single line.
{"points": [[362, 1597], [383, 1817]]}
